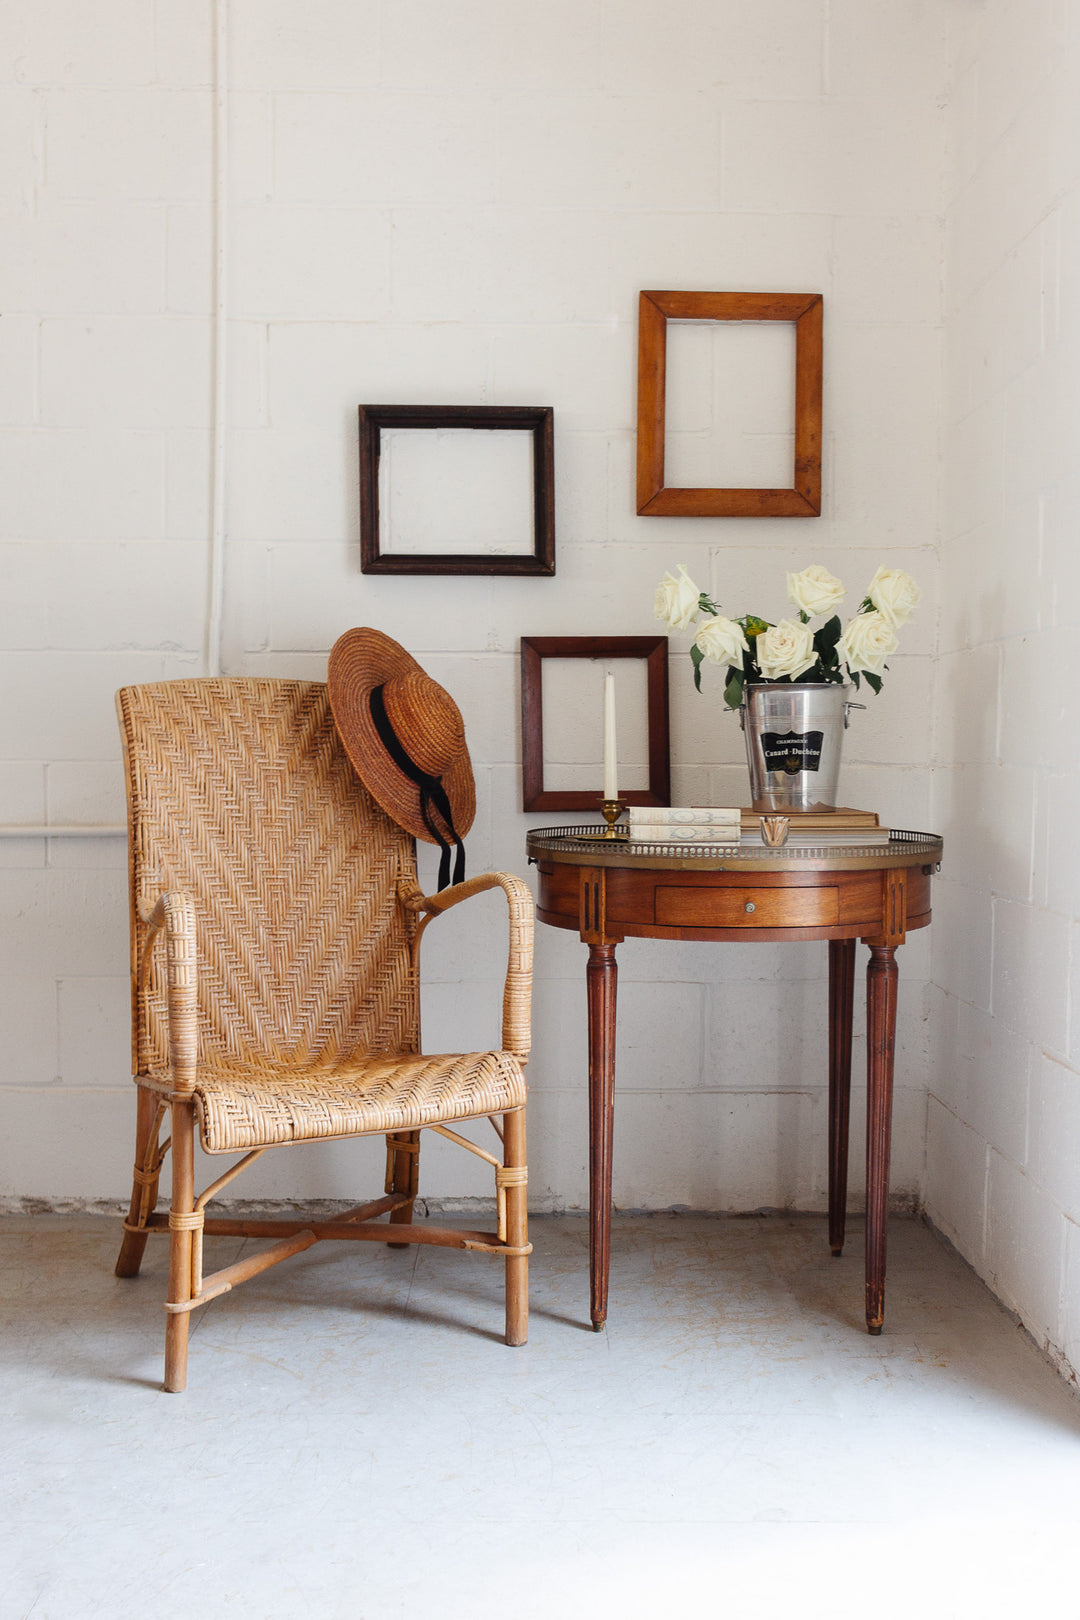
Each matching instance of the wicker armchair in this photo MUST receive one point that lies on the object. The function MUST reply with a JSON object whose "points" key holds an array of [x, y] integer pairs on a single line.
{"points": [[275, 928]]}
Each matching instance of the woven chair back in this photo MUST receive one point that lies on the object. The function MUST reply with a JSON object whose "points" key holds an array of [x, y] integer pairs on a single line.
{"points": [[241, 796]]}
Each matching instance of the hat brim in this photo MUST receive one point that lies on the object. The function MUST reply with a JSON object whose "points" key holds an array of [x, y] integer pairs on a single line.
{"points": [[360, 660]]}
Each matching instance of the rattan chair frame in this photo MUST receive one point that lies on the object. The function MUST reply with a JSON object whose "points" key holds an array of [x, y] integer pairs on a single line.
{"points": [[170, 1005]]}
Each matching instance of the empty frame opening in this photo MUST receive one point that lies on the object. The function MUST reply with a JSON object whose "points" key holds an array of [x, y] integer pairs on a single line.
{"points": [[730, 417], [444, 491], [573, 699]]}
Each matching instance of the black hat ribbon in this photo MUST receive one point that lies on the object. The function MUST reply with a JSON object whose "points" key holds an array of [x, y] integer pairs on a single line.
{"points": [[432, 793]]}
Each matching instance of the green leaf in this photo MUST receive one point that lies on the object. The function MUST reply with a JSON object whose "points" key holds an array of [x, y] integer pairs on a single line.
{"points": [[697, 658], [872, 681], [754, 626], [707, 605], [827, 637], [734, 689], [855, 679]]}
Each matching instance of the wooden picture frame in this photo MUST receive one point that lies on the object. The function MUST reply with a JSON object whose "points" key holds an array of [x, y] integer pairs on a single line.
{"points": [[539, 420], [534, 649], [655, 309]]}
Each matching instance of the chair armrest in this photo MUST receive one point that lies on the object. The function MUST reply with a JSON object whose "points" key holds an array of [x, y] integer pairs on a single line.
{"points": [[517, 991], [174, 913]]}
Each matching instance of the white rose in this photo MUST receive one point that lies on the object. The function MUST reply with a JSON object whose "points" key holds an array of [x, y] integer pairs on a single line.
{"points": [[677, 600], [867, 642], [722, 641], [786, 648], [815, 590], [894, 594]]}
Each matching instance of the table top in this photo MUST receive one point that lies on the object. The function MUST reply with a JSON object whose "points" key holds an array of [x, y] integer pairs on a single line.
{"points": [[579, 846]]}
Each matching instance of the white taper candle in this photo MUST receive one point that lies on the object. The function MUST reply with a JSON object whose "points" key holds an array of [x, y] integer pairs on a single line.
{"points": [[611, 775]]}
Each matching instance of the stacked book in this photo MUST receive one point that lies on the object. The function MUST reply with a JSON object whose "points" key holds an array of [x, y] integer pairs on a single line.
{"points": [[820, 827], [701, 824], [657, 824]]}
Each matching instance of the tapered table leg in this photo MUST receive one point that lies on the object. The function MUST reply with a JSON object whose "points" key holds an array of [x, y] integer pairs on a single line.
{"points": [[602, 981], [841, 999], [881, 987]]}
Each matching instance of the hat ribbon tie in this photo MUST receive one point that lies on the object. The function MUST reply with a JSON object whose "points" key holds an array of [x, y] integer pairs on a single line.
{"points": [[432, 792]]}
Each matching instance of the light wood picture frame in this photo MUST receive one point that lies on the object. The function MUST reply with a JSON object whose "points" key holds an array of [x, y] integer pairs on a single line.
{"points": [[534, 649], [655, 309]]}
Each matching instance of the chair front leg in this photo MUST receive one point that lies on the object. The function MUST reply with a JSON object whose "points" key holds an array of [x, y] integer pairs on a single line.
{"points": [[516, 1192], [182, 1226], [402, 1176], [144, 1191]]}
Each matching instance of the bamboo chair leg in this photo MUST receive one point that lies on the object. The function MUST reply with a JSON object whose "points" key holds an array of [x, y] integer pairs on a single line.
{"points": [[180, 1245], [517, 1231], [144, 1194], [403, 1150]]}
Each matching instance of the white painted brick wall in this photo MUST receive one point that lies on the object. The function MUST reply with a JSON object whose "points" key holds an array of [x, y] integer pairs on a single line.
{"points": [[1003, 1130], [454, 204]]}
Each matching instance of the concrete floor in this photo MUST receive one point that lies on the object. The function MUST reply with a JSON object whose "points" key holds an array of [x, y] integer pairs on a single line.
{"points": [[356, 1443]]}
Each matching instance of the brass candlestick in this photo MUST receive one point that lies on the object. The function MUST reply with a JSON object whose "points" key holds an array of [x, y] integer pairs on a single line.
{"points": [[613, 809]]}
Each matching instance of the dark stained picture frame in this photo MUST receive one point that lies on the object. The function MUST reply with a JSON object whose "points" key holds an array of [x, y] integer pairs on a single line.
{"points": [[539, 420], [655, 309], [534, 649]]}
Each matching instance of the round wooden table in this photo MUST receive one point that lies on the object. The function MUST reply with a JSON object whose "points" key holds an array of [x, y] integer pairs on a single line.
{"points": [[608, 889]]}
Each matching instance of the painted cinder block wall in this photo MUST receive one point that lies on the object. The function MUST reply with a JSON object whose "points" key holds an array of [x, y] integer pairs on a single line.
{"points": [[1003, 1137], [446, 204]]}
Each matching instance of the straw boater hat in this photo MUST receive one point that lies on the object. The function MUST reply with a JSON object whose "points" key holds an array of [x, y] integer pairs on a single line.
{"points": [[406, 739]]}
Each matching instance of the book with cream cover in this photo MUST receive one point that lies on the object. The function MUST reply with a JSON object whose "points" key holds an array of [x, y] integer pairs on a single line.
{"points": [[648, 832], [658, 815]]}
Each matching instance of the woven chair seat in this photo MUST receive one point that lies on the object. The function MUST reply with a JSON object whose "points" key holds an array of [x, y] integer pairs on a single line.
{"points": [[263, 1104]]}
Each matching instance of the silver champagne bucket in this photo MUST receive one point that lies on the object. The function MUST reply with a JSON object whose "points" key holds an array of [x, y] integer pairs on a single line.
{"points": [[794, 739]]}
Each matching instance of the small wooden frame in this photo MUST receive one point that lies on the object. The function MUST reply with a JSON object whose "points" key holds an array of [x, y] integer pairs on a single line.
{"points": [[535, 419], [803, 499], [534, 649]]}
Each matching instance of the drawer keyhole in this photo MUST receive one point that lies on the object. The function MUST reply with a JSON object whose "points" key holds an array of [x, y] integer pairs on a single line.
{"points": [[750, 906]]}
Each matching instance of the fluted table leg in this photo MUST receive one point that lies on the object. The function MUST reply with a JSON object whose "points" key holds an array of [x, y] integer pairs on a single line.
{"points": [[602, 982], [881, 988], [841, 999]]}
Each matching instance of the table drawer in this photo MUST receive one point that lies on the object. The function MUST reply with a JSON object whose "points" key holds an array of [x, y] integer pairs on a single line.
{"points": [[746, 908]]}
